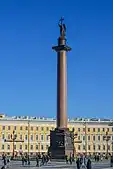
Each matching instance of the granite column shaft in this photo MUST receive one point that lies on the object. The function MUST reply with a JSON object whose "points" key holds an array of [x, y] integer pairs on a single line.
{"points": [[61, 89]]}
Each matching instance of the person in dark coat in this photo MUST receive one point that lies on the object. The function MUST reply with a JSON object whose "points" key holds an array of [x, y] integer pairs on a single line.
{"points": [[23, 160], [47, 158], [66, 157], [70, 159], [111, 161], [4, 160], [89, 164], [43, 159], [81, 160], [95, 158], [37, 160], [78, 163]]}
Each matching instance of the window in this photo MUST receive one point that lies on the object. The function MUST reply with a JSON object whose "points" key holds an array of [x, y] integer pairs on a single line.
{"points": [[78, 147], [98, 147], [52, 128], [3, 137], [112, 129], [88, 129], [42, 128], [112, 137], [2, 147], [104, 138], [25, 137], [8, 147], [31, 128], [47, 147], [93, 147], [15, 147], [112, 147], [31, 147], [9, 136], [103, 147], [93, 129], [47, 128], [98, 129], [14, 127], [47, 137], [36, 147], [20, 147], [8, 127], [3, 127], [78, 137], [25, 147], [42, 137], [42, 147], [20, 137], [20, 127], [108, 129], [88, 137], [79, 129], [108, 147], [93, 138], [98, 138], [103, 129], [83, 137], [37, 128], [36, 137], [26, 128], [32, 137], [88, 147], [84, 147]]}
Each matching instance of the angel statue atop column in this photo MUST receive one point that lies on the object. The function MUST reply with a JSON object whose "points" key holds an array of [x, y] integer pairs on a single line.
{"points": [[62, 27]]}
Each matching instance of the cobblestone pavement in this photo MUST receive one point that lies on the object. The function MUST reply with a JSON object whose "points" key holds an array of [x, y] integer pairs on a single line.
{"points": [[55, 165]]}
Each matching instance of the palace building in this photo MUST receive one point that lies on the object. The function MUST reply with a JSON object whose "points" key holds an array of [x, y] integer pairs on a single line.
{"points": [[32, 134]]}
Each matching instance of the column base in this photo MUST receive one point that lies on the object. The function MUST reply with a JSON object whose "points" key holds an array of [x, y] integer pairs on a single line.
{"points": [[61, 143]]}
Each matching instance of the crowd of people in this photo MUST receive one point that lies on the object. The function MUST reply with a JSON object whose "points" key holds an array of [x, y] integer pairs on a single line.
{"points": [[42, 159], [81, 161]]}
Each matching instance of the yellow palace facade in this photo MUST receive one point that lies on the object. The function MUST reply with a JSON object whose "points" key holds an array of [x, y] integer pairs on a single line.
{"points": [[31, 134]]}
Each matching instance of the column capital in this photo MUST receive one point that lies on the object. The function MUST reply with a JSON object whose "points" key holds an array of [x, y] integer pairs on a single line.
{"points": [[61, 47]]}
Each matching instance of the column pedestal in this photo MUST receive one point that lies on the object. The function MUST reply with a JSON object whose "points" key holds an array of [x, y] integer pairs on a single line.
{"points": [[60, 143]]}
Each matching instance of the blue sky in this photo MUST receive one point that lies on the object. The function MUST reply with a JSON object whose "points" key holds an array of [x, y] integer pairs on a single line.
{"points": [[28, 30]]}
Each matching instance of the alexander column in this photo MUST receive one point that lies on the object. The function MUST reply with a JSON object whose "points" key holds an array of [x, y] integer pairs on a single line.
{"points": [[60, 139]]}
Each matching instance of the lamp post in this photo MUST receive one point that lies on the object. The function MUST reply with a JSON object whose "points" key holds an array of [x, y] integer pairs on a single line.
{"points": [[107, 138], [111, 124], [28, 141], [13, 140], [39, 146], [85, 125], [73, 137]]}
